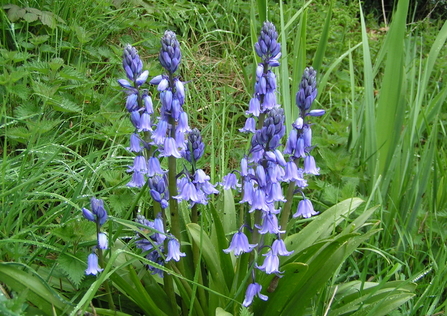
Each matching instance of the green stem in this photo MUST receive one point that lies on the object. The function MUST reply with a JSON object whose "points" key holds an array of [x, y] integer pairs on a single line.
{"points": [[102, 264], [169, 290], [285, 213]]}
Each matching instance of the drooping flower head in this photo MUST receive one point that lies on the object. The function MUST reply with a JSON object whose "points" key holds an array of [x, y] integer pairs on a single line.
{"points": [[92, 265]]}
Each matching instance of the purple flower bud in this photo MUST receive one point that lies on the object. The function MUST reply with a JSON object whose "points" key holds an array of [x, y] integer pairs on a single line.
{"points": [[174, 250], [307, 136], [298, 124], [125, 84], [92, 265], [291, 142], [180, 89], [254, 289], [316, 113], [142, 78], [98, 209], [239, 244], [135, 119], [147, 100], [170, 54], [305, 209], [280, 158], [88, 215], [132, 102], [259, 70], [102, 241], [260, 174], [307, 91], [248, 192], [261, 86], [156, 80], [244, 167], [158, 226], [166, 100]]}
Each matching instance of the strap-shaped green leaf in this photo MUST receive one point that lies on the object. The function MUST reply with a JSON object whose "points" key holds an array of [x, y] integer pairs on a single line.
{"points": [[39, 292]]}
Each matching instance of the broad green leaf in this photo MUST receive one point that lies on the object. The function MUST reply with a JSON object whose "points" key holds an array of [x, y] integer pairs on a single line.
{"points": [[225, 259], [356, 296], [222, 312], [39, 292], [210, 256], [228, 214], [321, 225]]}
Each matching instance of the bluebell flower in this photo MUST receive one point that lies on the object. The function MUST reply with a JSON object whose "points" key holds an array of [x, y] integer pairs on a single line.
{"points": [[103, 242], [310, 166], [174, 250], [269, 224], [279, 248], [305, 209], [137, 180], [170, 148], [250, 126], [253, 289], [154, 167], [92, 265], [135, 143], [187, 191], [271, 263], [239, 244], [155, 244], [230, 181]]}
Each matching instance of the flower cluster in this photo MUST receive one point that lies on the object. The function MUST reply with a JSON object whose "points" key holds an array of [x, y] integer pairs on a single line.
{"points": [[140, 107], [267, 167], [98, 215], [299, 142], [167, 136], [154, 245]]}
